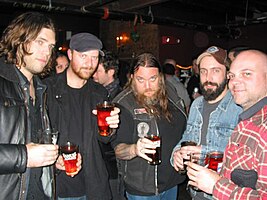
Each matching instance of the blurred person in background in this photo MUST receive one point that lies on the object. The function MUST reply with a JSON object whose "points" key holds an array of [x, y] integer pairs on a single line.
{"points": [[193, 87], [106, 75], [233, 52], [62, 62], [169, 72]]}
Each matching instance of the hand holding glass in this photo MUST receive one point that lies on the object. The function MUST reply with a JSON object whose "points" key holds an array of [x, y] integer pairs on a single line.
{"points": [[69, 153], [183, 144], [156, 157], [200, 159], [103, 111]]}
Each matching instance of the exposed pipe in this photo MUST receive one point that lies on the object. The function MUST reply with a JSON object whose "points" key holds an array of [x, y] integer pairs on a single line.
{"points": [[127, 16], [99, 12]]}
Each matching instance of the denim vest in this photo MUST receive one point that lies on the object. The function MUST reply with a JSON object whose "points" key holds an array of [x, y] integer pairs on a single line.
{"points": [[222, 122]]}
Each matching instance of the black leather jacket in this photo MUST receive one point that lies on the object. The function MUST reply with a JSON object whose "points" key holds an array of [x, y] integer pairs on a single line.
{"points": [[95, 172], [14, 131]]}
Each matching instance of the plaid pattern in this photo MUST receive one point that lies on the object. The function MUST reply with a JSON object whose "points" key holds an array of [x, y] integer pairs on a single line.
{"points": [[247, 149]]}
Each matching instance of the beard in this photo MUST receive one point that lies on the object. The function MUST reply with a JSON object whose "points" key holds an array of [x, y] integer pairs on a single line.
{"points": [[84, 73], [155, 104], [209, 94], [150, 103], [145, 100]]}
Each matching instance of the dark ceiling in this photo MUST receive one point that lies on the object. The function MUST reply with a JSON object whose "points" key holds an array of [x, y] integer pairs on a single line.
{"points": [[193, 14]]}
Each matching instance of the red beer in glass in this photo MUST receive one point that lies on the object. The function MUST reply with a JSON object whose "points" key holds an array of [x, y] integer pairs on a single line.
{"points": [[69, 153], [156, 157], [215, 160], [103, 111]]}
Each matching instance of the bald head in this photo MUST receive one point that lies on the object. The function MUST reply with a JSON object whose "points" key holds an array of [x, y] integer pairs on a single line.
{"points": [[248, 78], [256, 58]]}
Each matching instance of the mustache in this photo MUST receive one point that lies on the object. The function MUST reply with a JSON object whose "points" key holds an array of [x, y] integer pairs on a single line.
{"points": [[87, 68], [210, 83], [148, 90]]}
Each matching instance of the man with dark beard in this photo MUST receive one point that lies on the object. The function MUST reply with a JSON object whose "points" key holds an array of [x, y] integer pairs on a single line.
{"points": [[213, 116], [72, 96], [147, 104]]}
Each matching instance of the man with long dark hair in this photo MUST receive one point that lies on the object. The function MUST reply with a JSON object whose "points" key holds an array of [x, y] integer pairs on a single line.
{"points": [[148, 103], [26, 49]]}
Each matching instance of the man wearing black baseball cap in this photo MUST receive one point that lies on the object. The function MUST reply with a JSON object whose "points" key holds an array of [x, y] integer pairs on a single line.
{"points": [[72, 96]]}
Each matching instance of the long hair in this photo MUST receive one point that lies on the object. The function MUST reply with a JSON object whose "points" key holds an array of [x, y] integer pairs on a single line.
{"points": [[160, 107], [20, 32]]}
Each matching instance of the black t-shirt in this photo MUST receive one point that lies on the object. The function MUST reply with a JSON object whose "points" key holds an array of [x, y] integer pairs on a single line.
{"points": [[73, 186], [170, 132], [207, 110]]}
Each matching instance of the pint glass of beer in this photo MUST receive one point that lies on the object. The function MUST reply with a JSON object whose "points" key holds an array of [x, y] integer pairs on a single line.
{"points": [[156, 157], [183, 144], [153, 135], [200, 159], [103, 111], [69, 153], [215, 160]]}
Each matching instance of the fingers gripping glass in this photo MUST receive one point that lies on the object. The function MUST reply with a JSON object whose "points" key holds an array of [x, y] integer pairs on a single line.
{"points": [[153, 135]]}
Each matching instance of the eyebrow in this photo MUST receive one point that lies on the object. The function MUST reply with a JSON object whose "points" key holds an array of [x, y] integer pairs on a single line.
{"points": [[243, 70], [44, 39]]}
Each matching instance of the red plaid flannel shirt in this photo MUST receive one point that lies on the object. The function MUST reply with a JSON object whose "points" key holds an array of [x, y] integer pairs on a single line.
{"points": [[247, 149]]}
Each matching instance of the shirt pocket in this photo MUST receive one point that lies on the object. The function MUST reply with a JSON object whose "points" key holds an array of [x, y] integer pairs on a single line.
{"points": [[241, 157], [192, 132], [222, 135]]}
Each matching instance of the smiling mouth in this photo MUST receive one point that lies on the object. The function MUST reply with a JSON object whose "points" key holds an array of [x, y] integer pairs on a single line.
{"points": [[42, 60]]}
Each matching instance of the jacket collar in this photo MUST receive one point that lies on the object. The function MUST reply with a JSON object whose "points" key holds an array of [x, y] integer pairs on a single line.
{"points": [[60, 85], [223, 105], [12, 73], [7, 71]]}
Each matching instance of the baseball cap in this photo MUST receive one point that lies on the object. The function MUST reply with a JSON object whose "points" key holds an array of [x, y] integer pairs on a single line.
{"points": [[82, 42], [216, 52]]}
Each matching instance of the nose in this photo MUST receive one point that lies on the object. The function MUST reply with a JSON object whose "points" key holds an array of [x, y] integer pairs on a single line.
{"points": [[209, 76], [234, 81], [88, 61], [47, 50], [147, 84]]}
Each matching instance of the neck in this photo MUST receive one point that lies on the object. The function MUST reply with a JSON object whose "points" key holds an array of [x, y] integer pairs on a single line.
{"points": [[108, 82], [26, 73]]}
